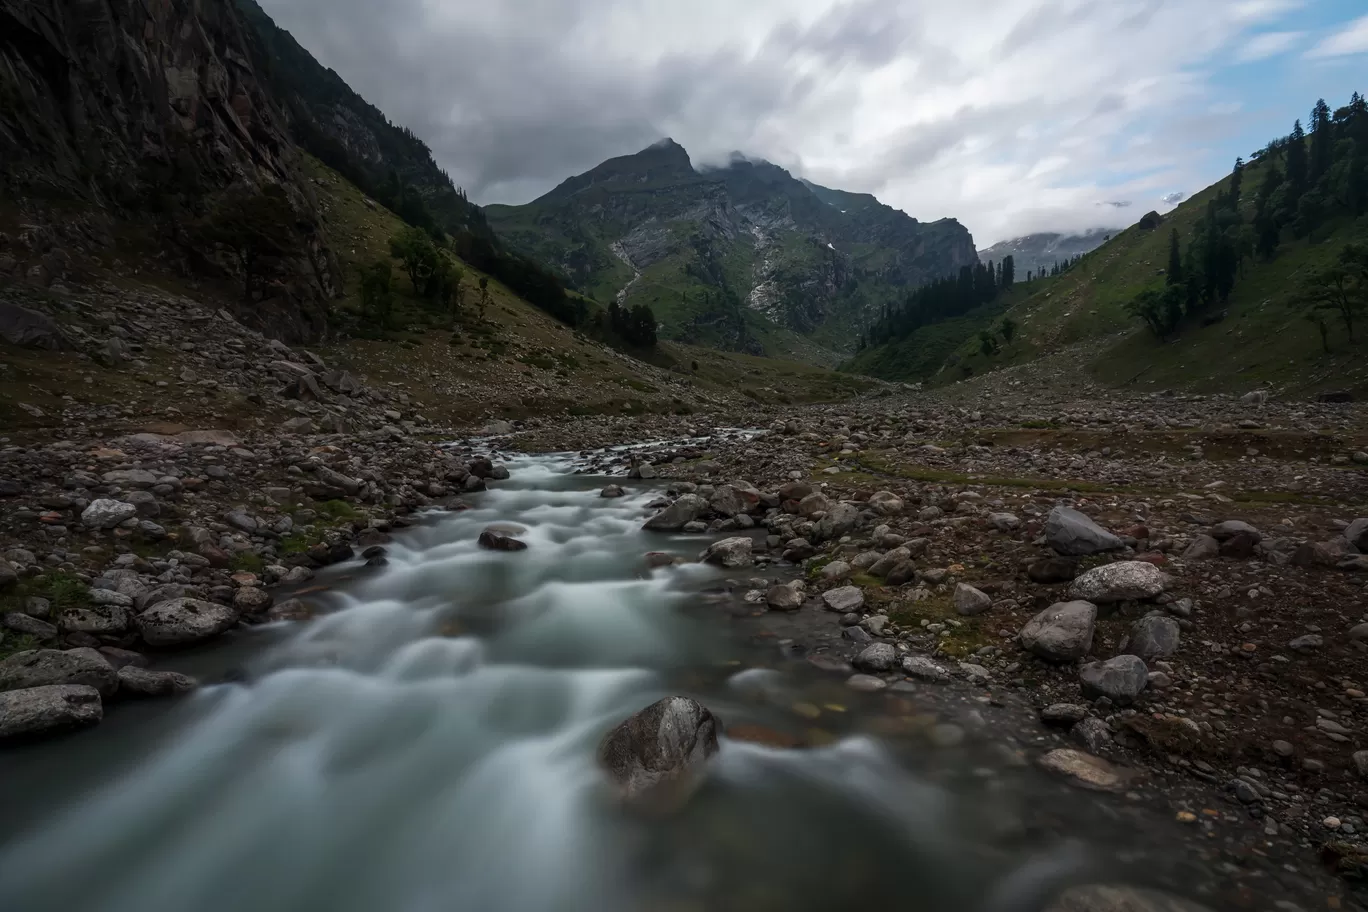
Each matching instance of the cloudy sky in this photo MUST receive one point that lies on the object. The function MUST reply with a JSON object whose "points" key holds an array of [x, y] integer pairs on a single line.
{"points": [[1010, 115]]}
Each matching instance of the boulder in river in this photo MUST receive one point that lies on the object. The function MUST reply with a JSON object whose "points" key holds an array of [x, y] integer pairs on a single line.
{"points": [[494, 540], [41, 667], [1073, 534], [729, 552], [182, 621], [656, 756], [37, 711], [141, 682], [678, 514]]}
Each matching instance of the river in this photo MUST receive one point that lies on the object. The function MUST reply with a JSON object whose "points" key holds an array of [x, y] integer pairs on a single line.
{"points": [[428, 743]]}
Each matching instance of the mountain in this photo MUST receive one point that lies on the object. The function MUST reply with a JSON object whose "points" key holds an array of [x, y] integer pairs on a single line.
{"points": [[743, 256], [347, 133], [120, 119], [1038, 253]]}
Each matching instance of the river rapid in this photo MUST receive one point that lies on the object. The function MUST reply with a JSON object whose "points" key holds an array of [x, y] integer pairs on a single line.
{"points": [[428, 743]]}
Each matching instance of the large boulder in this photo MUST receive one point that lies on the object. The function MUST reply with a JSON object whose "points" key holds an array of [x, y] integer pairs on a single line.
{"points": [[784, 598], [678, 514], [840, 520], [1061, 633], [38, 711], [884, 565], [727, 501], [101, 620], [106, 514], [1357, 534], [886, 503], [1153, 637], [655, 757], [844, 599], [29, 328], [970, 601], [1120, 679], [182, 621], [42, 667], [1073, 534], [1118, 582], [729, 552], [877, 658], [140, 682]]}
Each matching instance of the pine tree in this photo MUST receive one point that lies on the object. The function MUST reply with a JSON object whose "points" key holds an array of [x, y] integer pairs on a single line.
{"points": [[1322, 141], [1175, 265], [1236, 182], [1008, 273], [1296, 163]]}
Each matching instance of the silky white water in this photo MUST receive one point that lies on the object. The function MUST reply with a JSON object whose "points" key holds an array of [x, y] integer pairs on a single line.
{"points": [[429, 745]]}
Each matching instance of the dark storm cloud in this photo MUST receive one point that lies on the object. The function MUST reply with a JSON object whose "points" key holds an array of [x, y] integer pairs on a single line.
{"points": [[995, 111]]}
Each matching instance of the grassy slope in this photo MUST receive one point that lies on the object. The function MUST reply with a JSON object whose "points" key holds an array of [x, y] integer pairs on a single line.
{"points": [[516, 362], [1261, 341]]}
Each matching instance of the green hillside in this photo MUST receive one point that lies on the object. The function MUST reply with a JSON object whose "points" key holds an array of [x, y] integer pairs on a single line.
{"points": [[1258, 336]]}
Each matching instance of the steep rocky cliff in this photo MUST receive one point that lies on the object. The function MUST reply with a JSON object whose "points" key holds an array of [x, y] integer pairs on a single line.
{"points": [[720, 254], [142, 115]]}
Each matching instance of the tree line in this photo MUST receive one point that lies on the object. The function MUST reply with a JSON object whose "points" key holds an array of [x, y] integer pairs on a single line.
{"points": [[953, 296], [1309, 182]]}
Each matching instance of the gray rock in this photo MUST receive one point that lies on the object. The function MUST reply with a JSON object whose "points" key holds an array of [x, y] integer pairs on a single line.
{"points": [[836, 570], [1120, 679], [1071, 533], [866, 683], [678, 514], [108, 620], [1306, 643], [106, 514], [613, 490], [1061, 633], [41, 667], [1069, 714], [923, 669], [891, 559], [729, 552], [8, 575], [843, 599], [1153, 638], [840, 520], [39, 711], [1203, 547], [29, 328], [877, 657], [656, 756], [140, 682], [1004, 522], [727, 501], [1093, 733], [1224, 531], [1118, 582], [1360, 759], [970, 601], [1357, 534], [784, 598], [24, 623], [182, 621], [886, 503], [129, 478]]}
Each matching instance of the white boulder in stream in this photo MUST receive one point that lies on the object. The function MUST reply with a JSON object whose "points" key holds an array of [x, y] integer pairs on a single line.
{"points": [[1118, 582], [181, 621], [48, 710], [656, 756], [729, 552]]}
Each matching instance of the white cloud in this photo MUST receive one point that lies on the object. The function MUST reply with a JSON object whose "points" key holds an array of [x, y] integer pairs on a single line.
{"points": [[1352, 38], [1266, 45], [1011, 115]]}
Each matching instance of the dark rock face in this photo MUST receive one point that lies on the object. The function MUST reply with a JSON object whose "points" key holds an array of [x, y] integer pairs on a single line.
{"points": [[124, 106], [656, 755]]}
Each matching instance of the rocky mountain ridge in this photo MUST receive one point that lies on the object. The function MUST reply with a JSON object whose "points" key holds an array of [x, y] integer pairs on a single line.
{"points": [[741, 244], [1039, 252]]}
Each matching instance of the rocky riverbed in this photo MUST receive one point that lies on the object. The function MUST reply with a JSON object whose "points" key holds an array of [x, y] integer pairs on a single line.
{"points": [[1163, 597]]}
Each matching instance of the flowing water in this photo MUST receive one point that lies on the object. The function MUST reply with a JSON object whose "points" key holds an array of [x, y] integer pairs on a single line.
{"points": [[428, 744]]}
